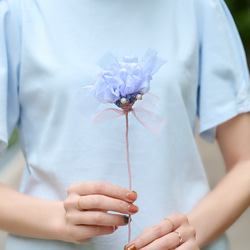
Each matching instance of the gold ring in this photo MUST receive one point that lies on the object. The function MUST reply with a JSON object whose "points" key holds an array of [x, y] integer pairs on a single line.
{"points": [[173, 226], [78, 204], [180, 238]]}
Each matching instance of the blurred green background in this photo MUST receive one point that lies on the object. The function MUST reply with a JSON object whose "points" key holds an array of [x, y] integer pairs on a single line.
{"points": [[13, 138], [240, 10]]}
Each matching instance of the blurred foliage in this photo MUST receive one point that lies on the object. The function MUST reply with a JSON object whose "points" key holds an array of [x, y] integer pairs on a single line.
{"points": [[13, 138], [240, 10]]}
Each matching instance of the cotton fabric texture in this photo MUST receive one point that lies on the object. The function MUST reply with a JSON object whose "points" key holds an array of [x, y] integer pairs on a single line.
{"points": [[49, 49]]}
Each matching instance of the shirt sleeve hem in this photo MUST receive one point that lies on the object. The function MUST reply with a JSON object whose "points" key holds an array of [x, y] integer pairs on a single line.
{"points": [[207, 130]]}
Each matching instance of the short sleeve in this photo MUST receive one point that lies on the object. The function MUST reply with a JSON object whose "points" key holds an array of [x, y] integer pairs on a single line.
{"points": [[9, 68], [223, 89]]}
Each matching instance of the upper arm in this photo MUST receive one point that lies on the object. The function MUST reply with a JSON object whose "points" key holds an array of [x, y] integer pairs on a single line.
{"points": [[233, 137]]}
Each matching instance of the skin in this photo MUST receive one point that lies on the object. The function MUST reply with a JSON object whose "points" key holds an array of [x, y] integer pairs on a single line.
{"points": [[65, 221]]}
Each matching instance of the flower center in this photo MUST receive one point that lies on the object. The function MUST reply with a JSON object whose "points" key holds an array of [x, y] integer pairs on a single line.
{"points": [[127, 107]]}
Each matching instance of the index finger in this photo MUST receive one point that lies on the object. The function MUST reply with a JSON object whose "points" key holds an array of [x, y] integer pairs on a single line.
{"points": [[103, 188]]}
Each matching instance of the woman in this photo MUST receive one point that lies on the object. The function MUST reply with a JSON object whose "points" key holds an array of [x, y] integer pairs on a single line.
{"points": [[74, 192]]}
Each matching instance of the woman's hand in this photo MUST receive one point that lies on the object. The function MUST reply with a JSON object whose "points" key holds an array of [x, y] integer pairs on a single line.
{"points": [[174, 232], [88, 209]]}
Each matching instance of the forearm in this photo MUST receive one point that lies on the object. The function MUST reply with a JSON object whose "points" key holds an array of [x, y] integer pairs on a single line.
{"points": [[28, 216], [219, 209]]}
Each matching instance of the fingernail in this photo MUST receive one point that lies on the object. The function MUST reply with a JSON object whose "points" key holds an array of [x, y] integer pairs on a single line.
{"points": [[127, 219], [133, 209], [132, 196], [135, 193], [132, 247]]}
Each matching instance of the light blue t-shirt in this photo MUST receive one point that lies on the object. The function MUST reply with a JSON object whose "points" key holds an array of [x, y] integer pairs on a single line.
{"points": [[49, 49]]}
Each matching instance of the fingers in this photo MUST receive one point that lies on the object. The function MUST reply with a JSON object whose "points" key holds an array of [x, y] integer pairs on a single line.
{"points": [[189, 245], [110, 198], [175, 240], [81, 234], [105, 203], [155, 232], [88, 209], [171, 233], [102, 188], [149, 234], [95, 218]]}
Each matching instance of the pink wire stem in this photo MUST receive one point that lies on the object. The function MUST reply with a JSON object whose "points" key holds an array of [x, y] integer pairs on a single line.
{"points": [[129, 174]]}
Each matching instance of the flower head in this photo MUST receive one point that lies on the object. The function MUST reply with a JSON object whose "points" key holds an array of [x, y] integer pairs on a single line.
{"points": [[126, 81]]}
